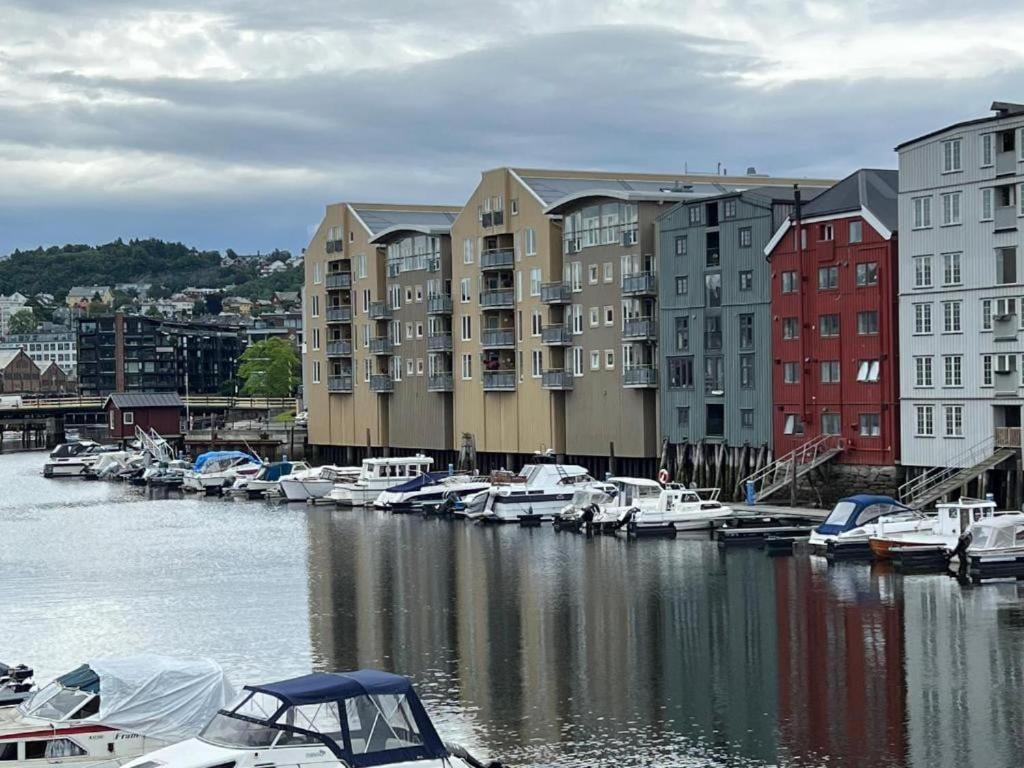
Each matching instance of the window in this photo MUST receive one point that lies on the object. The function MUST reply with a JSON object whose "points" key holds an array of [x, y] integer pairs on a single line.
{"points": [[577, 319], [609, 272], [536, 323], [681, 245], [922, 212], [951, 208], [745, 237], [856, 231], [747, 418], [537, 363], [682, 285], [465, 290], [954, 420], [830, 423], [682, 334], [746, 331], [986, 370], [728, 209], [609, 315], [609, 359], [361, 266], [531, 242], [828, 278], [419, 330], [127, 418], [694, 212], [680, 372], [410, 367], [953, 370], [987, 204], [951, 316], [923, 372], [683, 417], [713, 289], [408, 331], [790, 328], [519, 286], [747, 371], [830, 372], [922, 271], [535, 280], [867, 274], [714, 375], [867, 323], [868, 371], [790, 373], [1006, 266], [595, 317], [986, 149], [513, 206], [467, 327], [746, 280], [467, 367], [577, 361], [951, 155], [924, 420], [467, 251], [826, 232], [792, 424], [870, 425], [789, 282], [592, 274], [712, 333], [951, 269], [922, 318], [829, 325], [986, 314], [576, 276], [595, 360]]}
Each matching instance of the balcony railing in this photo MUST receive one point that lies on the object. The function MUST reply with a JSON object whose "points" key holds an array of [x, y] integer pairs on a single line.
{"points": [[556, 335], [339, 281], [439, 342], [640, 284], [500, 381], [381, 345], [497, 258], [503, 298], [497, 337], [557, 380], [556, 293], [440, 382], [340, 383], [640, 328], [1006, 383], [1006, 163], [381, 382], [1006, 217], [640, 376], [342, 348], [339, 315], [439, 304], [379, 310]]}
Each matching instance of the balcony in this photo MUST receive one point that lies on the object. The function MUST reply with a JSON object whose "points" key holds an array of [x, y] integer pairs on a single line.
{"points": [[1006, 162], [556, 335], [440, 382], [1006, 383], [381, 345], [339, 315], [499, 381], [640, 284], [1008, 437], [560, 380], [556, 293], [342, 348], [338, 281], [379, 310], [497, 338], [641, 329], [640, 377], [340, 383], [1005, 218], [381, 382], [439, 304], [503, 298], [439, 342], [497, 258]]}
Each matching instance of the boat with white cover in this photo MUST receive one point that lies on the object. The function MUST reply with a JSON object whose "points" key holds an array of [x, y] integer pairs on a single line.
{"points": [[324, 720], [216, 470], [994, 547], [73, 459], [267, 479], [952, 520], [316, 482], [431, 488], [641, 506], [111, 711], [538, 492], [377, 475]]}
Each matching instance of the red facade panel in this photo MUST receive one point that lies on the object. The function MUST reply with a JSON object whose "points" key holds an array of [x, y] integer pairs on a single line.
{"points": [[834, 340], [165, 420]]}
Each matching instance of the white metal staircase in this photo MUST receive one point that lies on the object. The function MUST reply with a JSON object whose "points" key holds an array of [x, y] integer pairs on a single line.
{"points": [[154, 444], [935, 483], [778, 475]]}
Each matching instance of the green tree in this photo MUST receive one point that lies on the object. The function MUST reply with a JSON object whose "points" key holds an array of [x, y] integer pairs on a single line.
{"points": [[270, 368], [152, 311], [22, 321]]}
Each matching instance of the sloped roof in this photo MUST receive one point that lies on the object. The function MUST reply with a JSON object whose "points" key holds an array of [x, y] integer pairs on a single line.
{"points": [[87, 291], [875, 189], [145, 400], [7, 356], [380, 220]]}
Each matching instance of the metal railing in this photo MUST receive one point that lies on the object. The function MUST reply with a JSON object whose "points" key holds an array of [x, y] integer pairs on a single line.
{"points": [[339, 314], [497, 337], [557, 379], [932, 478], [780, 470], [499, 380], [339, 280], [439, 342], [497, 258], [502, 298], [640, 283], [381, 345], [440, 382], [556, 335], [341, 348], [439, 304], [381, 382], [379, 310], [640, 376], [640, 328], [555, 293], [339, 383]]}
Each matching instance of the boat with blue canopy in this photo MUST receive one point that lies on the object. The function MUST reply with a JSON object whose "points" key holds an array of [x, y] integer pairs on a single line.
{"points": [[353, 719], [216, 470], [854, 520]]}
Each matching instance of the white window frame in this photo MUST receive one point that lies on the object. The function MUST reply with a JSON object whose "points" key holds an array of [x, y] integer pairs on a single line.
{"points": [[952, 155], [924, 415], [595, 360], [922, 212], [988, 150], [952, 209], [924, 371]]}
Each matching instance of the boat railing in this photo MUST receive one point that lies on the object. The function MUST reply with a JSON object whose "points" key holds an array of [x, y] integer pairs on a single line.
{"points": [[931, 478]]}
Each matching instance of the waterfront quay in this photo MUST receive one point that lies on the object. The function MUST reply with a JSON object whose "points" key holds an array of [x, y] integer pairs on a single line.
{"points": [[545, 649]]}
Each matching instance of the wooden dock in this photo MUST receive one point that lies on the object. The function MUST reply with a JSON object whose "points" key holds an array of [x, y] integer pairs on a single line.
{"points": [[772, 510]]}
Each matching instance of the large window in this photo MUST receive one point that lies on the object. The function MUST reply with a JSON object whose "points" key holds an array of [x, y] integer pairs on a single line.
{"points": [[828, 325], [951, 316], [922, 318], [922, 271], [923, 372], [951, 268], [952, 370], [682, 334], [830, 372], [712, 333], [790, 328], [789, 282], [830, 424], [828, 278], [747, 371], [1006, 266], [867, 323], [924, 420], [680, 372], [954, 420], [856, 232], [714, 375], [746, 331], [713, 289], [952, 155], [790, 373], [870, 425], [868, 371], [922, 212], [951, 208], [867, 273], [792, 424]]}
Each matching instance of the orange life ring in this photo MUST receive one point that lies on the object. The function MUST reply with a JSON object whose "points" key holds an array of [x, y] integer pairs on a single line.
{"points": [[663, 476]]}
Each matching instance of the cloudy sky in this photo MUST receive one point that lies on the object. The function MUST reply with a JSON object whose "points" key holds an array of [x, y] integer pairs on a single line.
{"points": [[230, 123]]}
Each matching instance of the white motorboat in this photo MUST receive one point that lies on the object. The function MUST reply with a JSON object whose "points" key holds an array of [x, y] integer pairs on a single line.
{"points": [[378, 475], [994, 547], [325, 720], [316, 482], [430, 489], [267, 479], [951, 521], [539, 492], [852, 522], [73, 459], [216, 470], [642, 506], [111, 711]]}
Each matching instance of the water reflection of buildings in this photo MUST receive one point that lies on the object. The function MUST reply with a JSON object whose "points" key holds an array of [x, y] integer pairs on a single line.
{"points": [[840, 662]]}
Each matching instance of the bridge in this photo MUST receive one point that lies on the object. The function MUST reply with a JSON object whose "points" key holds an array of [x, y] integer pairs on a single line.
{"points": [[59, 406]]}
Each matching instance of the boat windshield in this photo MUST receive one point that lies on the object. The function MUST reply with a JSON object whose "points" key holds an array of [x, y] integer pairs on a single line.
{"points": [[841, 513], [228, 729], [55, 702]]}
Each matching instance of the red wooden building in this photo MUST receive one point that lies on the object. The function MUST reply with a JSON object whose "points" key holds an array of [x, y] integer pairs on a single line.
{"points": [[161, 411], [834, 321]]}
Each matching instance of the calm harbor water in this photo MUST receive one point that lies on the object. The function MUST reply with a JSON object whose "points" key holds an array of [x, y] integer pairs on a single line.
{"points": [[538, 648]]}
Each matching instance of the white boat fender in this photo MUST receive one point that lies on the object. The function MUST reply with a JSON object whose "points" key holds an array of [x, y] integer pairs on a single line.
{"points": [[462, 753]]}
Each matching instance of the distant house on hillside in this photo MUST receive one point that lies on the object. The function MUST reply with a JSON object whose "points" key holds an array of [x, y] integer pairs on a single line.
{"points": [[9, 306], [238, 305], [272, 267], [285, 299], [80, 296], [141, 289], [18, 374]]}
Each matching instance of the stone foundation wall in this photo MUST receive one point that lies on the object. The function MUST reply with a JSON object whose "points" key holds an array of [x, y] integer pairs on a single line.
{"points": [[824, 486]]}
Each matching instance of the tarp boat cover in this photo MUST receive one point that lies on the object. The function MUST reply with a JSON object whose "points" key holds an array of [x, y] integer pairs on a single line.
{"points": [[205, 458], [157, 696], [420, 481], [272, 473]]}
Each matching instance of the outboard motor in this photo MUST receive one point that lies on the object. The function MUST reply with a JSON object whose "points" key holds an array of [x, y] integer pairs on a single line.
{"points": [[960, 550], [463, 754], [626, 519], [586, 520]]}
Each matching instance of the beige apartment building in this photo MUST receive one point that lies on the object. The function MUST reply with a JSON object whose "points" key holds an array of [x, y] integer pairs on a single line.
{"points": [[353, 389]]}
